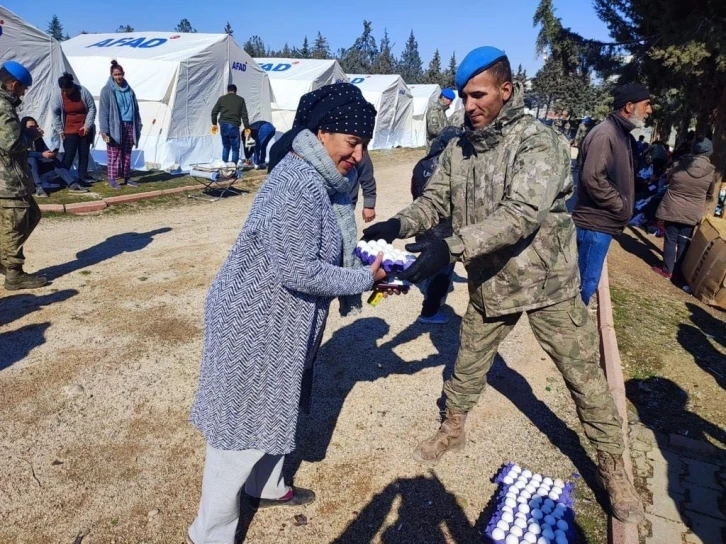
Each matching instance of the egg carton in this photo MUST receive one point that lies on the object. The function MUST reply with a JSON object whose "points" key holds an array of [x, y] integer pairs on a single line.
{"points": [[532, 509], [394, 260]]}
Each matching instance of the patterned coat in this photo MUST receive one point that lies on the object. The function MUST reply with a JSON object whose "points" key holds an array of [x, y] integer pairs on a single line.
{"points": [[436, 120], [265, 312], [505, 188]]}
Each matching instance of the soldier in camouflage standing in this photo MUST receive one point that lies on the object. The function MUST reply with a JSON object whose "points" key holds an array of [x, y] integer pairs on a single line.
{"points": [[504, 184], [19, 214], [457, 119], [436, 120]]}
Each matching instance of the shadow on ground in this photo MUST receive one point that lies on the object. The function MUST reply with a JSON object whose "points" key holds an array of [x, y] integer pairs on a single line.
{"points": [[699, 338], [636, 243], [17, 344], [108, 249], [18, 306]]}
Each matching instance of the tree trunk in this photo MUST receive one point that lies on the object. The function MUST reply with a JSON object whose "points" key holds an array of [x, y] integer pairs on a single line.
{"points": [[662, 130]]}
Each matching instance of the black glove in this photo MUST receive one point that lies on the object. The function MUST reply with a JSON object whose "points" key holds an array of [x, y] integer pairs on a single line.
{"points": [[434, 256], [386, 230]]}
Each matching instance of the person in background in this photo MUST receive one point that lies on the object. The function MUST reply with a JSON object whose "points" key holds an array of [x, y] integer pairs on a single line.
{"points": [[19, 213], [230, 112], [436, 119], [364, 181], [691, 186], [266, 309], [120, 122], [640, 147], [436, 288], [586, 125], [262, 132], [607, 182], [457, 119], [74, 118], [658, 153], [686, 146], [44, 163]]}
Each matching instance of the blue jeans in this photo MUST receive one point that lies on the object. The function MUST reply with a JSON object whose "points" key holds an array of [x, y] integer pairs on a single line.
{"points": [[264, 135], [230, 140], [592, 248]]}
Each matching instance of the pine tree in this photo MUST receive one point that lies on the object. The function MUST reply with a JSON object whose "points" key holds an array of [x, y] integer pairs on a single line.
{"points": [[362, 55], [321, 49], [410, 65], [255, 47], [450, 74], [125, 28], [185, 26], [228, 29], [287, 52], [55, 29], [385, 62], [433, 73], [305, 52]]}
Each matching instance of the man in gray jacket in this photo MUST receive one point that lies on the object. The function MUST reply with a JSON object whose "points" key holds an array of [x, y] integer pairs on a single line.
{"points": [[607, 182], [365, 181]]}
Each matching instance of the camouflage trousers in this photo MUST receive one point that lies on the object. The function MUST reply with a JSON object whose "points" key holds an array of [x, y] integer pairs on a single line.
{"points": [[18, 219], [569, 337]]}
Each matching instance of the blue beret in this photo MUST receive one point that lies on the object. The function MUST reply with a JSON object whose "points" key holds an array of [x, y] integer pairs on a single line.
{"points": [[448, 93], [19, 72], [475, 63]]}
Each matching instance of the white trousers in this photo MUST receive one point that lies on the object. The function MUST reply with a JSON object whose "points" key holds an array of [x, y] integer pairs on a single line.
{"points": [[225, 473]]}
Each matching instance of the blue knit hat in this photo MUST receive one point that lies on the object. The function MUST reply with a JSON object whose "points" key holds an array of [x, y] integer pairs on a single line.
{"points": [[475, 63], [19, 72], [448, 93]]}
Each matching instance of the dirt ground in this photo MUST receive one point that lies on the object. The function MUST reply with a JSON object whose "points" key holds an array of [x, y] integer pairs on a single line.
{"points": [[98, 372]]}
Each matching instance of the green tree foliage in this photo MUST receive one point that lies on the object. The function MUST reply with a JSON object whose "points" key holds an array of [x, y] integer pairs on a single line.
{"points": [[184, 26], [228, 29], [410, 65], [255, 47], [55, 29], [321, 48], [362, 55], [385, 62], [125, 28], [451, 71], [305, 52], [434, 73]]}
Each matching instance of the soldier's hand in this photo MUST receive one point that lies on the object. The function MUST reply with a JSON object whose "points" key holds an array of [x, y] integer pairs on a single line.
{"points": [[434, 255], [386, 230]]}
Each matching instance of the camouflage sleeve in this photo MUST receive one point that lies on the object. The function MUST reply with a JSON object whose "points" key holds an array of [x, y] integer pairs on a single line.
{"points": [[434, 204], [11, 139], [434, 123], [539, 173]]}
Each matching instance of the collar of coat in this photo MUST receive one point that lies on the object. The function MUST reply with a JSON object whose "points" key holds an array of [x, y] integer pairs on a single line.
{"points": [[10, 97], [476, 140]]}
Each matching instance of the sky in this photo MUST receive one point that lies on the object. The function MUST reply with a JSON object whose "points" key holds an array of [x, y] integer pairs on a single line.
{"points": [[447, 26]]}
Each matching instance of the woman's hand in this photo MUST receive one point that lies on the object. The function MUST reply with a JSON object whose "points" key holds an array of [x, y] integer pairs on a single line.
{"points": [[62, 136], [105, 137], [48, 155], [378, 272], [369, 214], [83, 131]]}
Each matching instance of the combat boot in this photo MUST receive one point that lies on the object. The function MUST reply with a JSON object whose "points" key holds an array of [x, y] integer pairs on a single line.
{"points": [[16, 279], [624, 501], [449, 437]]}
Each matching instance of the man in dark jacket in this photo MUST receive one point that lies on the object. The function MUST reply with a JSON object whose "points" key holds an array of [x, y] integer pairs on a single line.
{"points": [[607, 182], [365, 181], [19, 213], [232, 113]]}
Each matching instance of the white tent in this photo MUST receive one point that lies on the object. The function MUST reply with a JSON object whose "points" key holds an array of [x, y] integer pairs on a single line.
{"points": [[423, 97], [292, 78], [177, 78], [394, 103], [43, 56]]}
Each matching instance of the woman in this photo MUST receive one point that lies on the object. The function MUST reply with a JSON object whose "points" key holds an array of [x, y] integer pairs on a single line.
{"points": [[120, 123], [74, 115], [691, 186], [44, 163], [266, 309]]}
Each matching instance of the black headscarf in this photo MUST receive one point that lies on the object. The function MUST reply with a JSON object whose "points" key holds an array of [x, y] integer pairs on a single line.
{"points": [[339, 107]]}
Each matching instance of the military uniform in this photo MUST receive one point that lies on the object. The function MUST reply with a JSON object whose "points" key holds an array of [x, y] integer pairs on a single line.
{"points": [[457, 119], [19, 213], [505, 186], [436, 120]]}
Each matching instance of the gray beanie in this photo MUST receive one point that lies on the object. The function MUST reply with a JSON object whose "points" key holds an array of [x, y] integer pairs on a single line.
{"points": [[703, 147]]}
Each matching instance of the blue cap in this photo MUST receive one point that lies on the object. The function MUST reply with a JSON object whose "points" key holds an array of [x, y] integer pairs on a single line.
{"points": [[19, 72], [475, 63], [448, 93]]}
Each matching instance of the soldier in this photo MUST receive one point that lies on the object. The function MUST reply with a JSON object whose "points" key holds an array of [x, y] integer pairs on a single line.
{"points": [[436, 119], [504, 183], [582, 131], [19, 213]]}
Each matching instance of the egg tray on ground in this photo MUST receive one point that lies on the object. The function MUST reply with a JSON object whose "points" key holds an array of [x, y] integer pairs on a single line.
{"points": [[565, 499]]}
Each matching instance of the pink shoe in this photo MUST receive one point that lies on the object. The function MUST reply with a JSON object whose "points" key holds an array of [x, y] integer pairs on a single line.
{"points": [[658, 270]]}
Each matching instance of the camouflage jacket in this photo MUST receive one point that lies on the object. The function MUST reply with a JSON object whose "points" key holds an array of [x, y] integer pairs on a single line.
{"points": [[505, 188], [457, 119], [435, 120], [15, 180]]}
